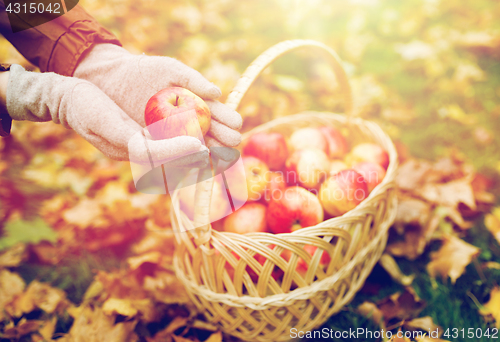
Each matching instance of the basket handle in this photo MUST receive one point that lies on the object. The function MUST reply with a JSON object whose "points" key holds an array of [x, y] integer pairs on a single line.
{"points": [[203, 192], [271, 54]]}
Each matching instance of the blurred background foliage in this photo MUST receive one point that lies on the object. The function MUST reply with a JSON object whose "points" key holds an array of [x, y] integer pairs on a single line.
{"points": [[426, 70]]}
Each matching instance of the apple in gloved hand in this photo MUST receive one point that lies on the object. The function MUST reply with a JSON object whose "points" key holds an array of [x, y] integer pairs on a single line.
{"points": [[176, 111]]}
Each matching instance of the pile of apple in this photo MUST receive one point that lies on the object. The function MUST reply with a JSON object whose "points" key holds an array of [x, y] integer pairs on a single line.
{"points": [[296, 182]]}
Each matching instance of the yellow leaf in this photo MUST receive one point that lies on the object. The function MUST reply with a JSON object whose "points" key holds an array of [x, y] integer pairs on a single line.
{"points": [[492, 222], [452, 258], [136, 261], [370, 310], [215, 337], [13, 256], [119, 306], [181, 339], [166, 288], [47, 330], [23, 327], [389, 264], [456, 113], [93, 325], [11, 285], [41, 295], [449, 194], [493, 306], [491, 264], [86, 213], [429, 339], [94, 290], [426, 324], [112, 192]]}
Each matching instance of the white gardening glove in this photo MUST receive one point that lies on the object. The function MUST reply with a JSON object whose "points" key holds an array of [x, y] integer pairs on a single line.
{"points": [[130, 80], [80, 105]]}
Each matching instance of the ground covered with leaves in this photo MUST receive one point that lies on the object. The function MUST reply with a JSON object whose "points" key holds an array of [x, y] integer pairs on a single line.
{"points": [[84, 257]]}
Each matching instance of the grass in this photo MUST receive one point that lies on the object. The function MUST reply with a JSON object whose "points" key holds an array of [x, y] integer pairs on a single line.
{"points": [[73, 274]]}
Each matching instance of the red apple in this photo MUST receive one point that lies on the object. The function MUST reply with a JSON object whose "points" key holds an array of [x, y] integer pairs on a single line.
{"points": [[271, 148], [336, 143], [307, 168], [275, 187], [257, 176], [178, 105], [250, 218], [297, 208], [336, 166], [371, 172], [343, 192], [307, 138], [369, 152]]}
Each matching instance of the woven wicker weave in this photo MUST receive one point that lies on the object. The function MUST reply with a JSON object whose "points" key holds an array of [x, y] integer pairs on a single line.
{"points": [[267, 310]]}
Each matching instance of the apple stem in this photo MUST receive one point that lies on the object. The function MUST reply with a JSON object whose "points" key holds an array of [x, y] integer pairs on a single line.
{"points": [[296, 226], [176, 100]]}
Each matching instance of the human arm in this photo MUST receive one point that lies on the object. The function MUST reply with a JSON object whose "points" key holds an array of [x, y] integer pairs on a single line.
{"points": [[81, 106]]}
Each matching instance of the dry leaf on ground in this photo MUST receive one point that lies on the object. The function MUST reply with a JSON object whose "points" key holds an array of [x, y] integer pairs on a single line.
{"points": [[166, 288], [11, 286], [166, 335], [130, 308], [48, 328], [22, 328], [452, 258], [402, 306], [390, 266], [412, 173], [430, 339], [492, 308], [424, 323], [86, 213], [412, 211], [396, 338], [449, 194], [93, 325], [42, 296], [13, 256], [215, 337], [492, 222], [412, 245], [370, 310]]}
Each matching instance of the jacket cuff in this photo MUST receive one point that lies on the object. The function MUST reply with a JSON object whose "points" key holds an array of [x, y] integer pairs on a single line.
{"points": [[79, 38]]}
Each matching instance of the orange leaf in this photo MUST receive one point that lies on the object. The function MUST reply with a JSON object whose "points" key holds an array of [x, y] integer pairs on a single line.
{"points": [[492, 308], [452, 258]]}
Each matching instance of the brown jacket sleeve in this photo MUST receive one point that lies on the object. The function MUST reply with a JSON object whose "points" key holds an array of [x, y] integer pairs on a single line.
{"points": [[59, 44]]}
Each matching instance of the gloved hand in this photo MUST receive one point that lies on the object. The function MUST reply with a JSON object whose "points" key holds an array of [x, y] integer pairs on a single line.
{"points": [[80, 105], [130, 80]]}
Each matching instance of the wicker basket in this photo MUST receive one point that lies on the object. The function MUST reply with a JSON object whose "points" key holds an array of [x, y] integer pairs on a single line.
{"points": [[266, 310]]}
